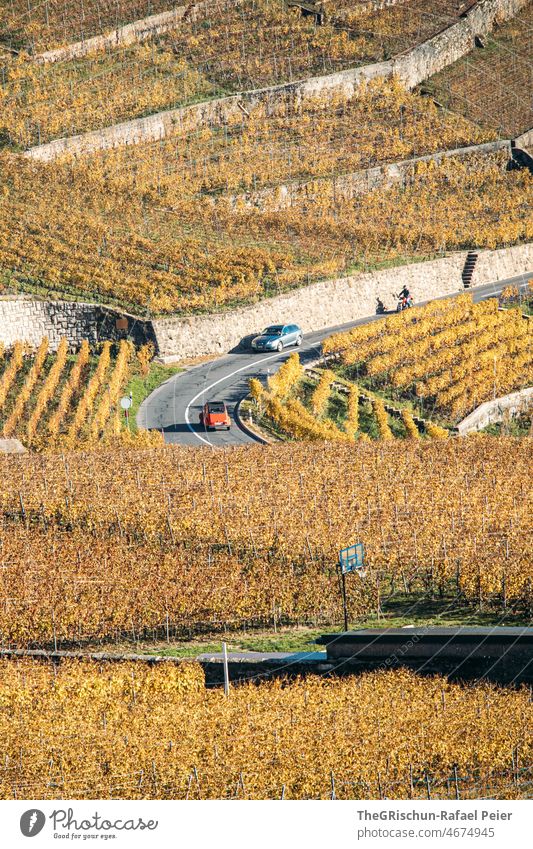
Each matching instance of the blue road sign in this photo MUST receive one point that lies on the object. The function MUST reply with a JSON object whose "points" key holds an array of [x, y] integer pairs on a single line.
{"points": [[352, 558]]}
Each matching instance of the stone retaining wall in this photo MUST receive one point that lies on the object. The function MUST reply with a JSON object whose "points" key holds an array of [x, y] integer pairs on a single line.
{"points": [[29, 320], [525, 140], [411, 68], [145, 28], [325, 304], [348, 186], [334, 302], [493, 411], [137, 31]]}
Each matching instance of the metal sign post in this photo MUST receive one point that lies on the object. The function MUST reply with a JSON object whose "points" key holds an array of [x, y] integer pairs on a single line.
{"points": [[351, 559], [125, 402], [344, 600]]}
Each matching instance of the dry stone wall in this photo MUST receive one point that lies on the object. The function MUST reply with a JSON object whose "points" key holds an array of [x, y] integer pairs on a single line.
{"points": [[326, 304], [525, 140], [145, 28], [122, 36], [334, 302], [348, 186], [411, 68], [28, 320]]}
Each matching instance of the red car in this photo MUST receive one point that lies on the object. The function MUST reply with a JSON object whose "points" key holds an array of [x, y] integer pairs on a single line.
{"points": [[215, 416]]}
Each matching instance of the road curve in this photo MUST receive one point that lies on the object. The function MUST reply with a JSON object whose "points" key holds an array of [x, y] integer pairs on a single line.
{"points": [[174, 406]]}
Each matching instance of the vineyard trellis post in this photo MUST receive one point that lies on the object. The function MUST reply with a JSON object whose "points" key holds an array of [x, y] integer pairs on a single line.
{"points": [[226, 668]]}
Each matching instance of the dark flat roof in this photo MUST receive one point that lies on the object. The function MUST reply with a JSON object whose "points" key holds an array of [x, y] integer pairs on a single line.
{"points": [[466, 631]]}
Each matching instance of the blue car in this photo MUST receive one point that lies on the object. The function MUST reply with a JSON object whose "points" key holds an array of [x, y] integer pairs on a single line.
{"points": [[277, 337]]}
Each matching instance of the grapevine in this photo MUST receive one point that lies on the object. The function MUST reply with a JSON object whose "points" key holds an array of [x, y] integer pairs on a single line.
{"points": [[168, 504], [25, 393], [48, 390], [71, 386], [134, 731]]}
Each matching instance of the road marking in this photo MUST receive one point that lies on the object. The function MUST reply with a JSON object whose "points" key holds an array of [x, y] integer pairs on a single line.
{"points": [[495, 287], [221, 380]]}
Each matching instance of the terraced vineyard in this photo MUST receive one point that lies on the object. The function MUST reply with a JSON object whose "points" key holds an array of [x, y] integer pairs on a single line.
{"points": [[32, 25], [71, 230], [224, 215], [221, 48], [392, 378], [492, 86], [326, 137], [109, 538], [447, 357], [318, 405]]}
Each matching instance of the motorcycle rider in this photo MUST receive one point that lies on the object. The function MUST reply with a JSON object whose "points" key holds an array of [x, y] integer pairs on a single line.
{"points": [[405, 298]]}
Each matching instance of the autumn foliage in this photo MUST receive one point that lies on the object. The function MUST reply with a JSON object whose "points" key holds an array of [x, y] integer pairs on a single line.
{"points": [[53, 400], [134, 533], [132, 731], [452, 354]]}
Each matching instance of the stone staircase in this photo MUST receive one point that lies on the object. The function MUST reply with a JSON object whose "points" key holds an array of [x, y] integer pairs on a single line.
{"points": [[468, 270]]}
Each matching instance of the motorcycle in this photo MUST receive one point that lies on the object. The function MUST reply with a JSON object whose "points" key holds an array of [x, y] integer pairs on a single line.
{"points": [[404, 303]]}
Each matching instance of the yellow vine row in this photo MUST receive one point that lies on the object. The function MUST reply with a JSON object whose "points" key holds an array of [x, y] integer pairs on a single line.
{"points": [[110, 397], [25, 393], [69, 389], [48, 390], [15, 363], [86, 403]]}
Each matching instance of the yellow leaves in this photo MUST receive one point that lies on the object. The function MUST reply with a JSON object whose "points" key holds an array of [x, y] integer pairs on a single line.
{"points": [[256, 389], [136, 225], [10, 373], [322, 392], [208, 504], [86, 403], [382, 419], [109, 400], [69, 389], [453, 351], [510, 293], [60, 99], [145, 355], [286, 377], [409, 424], [47, 390], [351, 423], [25, 393], [145, 731], [84, 424], [296, 421], [436, 432]]}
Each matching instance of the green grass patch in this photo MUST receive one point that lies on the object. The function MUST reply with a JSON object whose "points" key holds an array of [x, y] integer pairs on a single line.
{"points": [[140, 387], [397, 612], [520, 426]]}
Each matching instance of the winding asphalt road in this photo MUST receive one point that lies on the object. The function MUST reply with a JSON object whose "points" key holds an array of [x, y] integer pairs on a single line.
{"points": [[175, 405]]}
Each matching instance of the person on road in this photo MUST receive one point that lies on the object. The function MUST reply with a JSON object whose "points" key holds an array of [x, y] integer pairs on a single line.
{"points": [[405, 297]]}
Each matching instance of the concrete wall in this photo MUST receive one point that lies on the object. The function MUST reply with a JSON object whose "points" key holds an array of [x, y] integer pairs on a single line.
{"points": [[411, 67], [29, 320], [493, 411], [347, 186], [122, 36], [334, 302]]}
